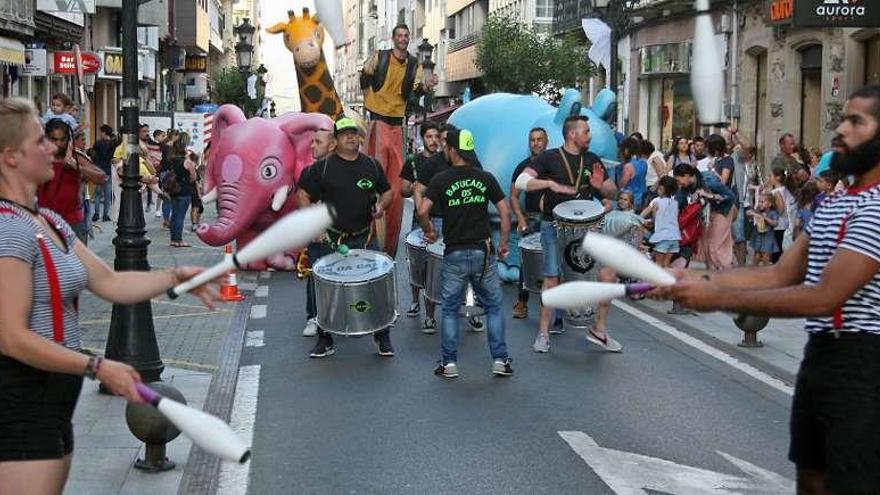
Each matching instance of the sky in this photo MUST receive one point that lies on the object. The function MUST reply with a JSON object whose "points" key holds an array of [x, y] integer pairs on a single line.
{"points": [[282, 85]]}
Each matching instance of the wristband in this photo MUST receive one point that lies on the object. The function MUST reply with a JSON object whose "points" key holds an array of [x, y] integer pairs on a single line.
{"points": [[92, 367]]}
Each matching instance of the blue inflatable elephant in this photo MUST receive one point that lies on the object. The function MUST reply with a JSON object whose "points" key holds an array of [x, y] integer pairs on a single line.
{"points": [[501, 122]]}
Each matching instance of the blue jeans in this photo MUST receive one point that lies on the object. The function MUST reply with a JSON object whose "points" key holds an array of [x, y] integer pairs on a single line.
{"points": [[179, 207], [459, 267], [104, 197], [166, 209], [548, 245]]}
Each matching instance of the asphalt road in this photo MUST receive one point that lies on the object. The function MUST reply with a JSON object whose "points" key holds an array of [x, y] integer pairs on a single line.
{"points": [[358, 423]]}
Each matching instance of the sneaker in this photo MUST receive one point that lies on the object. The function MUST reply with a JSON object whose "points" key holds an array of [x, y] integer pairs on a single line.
{"points": [[414, 310], [606, 342], [501, 367], [105, 219], [383, 341], [476, 324], [558, 327], [542, 343], [430, 326], [95, 217], [158, 212], [323, 348], [520, 310], [448, 370], [311, 328]]}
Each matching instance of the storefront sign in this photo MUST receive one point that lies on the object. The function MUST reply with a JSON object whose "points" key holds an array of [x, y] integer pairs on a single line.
{"points": [[780, 11], [837, 13], [196, 63], [65, 62], [35, 63], [112, 68]]}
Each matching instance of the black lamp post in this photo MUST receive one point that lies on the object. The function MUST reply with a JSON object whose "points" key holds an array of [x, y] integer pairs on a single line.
{"points": [[425, 50], [244, 49], [132, 338]]}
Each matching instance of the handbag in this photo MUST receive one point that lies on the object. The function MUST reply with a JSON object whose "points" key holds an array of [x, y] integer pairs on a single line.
{"points": [[169, 184]]}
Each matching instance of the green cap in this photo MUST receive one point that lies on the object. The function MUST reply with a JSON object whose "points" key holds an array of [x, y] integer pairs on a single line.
{"points": [[463, 141], [345, 124]]}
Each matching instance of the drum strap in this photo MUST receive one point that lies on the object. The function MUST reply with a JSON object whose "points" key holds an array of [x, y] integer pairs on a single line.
{"points": [[575, 183]]}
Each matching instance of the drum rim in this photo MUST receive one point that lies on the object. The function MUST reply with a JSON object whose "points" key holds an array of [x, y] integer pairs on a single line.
{"points": [[356, 251], [559, 217]]}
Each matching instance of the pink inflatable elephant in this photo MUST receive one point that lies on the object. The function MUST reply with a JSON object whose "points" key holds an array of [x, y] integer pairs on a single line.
{"points": [[252, 173]]}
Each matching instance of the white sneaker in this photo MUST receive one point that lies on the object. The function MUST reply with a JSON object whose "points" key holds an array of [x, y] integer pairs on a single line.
{"points": [[542, 343], [311, 328], [448, 370], [158, 213], [605, 342]]}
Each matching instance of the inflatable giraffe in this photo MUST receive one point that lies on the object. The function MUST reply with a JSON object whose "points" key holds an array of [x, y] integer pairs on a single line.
{"points": [[304, 38]]}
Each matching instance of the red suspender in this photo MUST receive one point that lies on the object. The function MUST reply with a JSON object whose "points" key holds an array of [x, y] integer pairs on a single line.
{"points": [[54, 284]]}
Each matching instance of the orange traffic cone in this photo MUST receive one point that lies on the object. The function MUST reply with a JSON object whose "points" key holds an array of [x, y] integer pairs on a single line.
{"points": [[229, 287]]}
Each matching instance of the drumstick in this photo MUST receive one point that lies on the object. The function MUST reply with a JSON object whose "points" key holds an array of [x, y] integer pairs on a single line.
{"points": [[293, 231], [625, 259], [582, 294], [205, 430]]}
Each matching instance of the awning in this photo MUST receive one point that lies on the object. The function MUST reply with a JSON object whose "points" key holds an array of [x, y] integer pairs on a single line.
{"points": [[11, 51]]}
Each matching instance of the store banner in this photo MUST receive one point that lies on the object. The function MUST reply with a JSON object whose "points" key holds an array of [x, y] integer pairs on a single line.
{"points": [[35, 63], [837, 13], [64, 62]]}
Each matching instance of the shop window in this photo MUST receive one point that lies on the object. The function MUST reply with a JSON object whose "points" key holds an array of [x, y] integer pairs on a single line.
{"points": [[811, 96], [872, 60]]}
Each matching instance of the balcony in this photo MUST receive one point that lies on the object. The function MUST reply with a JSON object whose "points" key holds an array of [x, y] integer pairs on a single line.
{"points": [[463, 42], [17, 16], [568, 14]]}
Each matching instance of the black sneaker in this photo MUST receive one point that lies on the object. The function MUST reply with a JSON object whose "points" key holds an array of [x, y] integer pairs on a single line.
{"points": [[558, 327], [323, 348], [448, 370], [105, 219], [501, 367], [383, 341], [413, 310], [94, 218]]}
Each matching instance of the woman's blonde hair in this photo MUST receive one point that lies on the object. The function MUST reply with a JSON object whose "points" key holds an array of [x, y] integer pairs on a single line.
{"points": [[14, 112]]}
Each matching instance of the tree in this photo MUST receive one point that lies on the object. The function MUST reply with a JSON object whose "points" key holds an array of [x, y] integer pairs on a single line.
{"points": [[516, 59], [229, 86]]}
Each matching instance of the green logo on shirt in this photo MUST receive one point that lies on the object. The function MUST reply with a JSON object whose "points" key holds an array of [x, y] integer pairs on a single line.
{"points": [[466, 191], [365, 184]]}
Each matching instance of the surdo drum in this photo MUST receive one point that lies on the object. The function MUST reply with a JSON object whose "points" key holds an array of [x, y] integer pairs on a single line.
{"points": [[417, 258], [434, 283], [573, 219], [532, 262], [355, 292]]}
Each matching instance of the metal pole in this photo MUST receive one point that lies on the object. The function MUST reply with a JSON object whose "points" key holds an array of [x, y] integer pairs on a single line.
{"points": [[132, 338]]}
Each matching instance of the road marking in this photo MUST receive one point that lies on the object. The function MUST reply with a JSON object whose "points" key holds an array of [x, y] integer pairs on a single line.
{"points": [[247, 285], [698, 344], [262, 291], [258, 311], [234, 477], [265, 275], [254, 339], [633, 474]]}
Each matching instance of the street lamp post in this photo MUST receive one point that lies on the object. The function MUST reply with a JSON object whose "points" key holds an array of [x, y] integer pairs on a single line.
{"points": [[244, 50], [132, 338], [425, 50]]}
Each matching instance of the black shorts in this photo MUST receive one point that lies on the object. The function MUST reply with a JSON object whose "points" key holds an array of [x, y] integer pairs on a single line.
{"points": [[835, 417], [35, 412]]}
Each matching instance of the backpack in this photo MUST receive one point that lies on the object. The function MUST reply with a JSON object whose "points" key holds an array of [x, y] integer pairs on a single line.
{"points": [[690, 224]]}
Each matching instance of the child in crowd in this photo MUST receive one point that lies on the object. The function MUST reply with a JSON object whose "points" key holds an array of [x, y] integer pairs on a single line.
{"points": [[765, 218], [806, 196], [623, 222], [61, 107], [825, 183], [664, 211]]}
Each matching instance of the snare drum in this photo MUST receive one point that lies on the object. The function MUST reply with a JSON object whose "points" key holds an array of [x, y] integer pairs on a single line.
{"points": [[532, 255], [573, 219], [417, 258], [434, 283], [356, 292]]}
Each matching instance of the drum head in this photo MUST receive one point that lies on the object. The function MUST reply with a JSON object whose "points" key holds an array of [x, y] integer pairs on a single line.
{"points": [[578, 211], [359, 265], [416, 238], [437, 248], [531, 242]]}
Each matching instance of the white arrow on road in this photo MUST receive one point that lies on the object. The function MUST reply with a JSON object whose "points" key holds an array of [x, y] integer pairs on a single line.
{"points": [[632, 474]]}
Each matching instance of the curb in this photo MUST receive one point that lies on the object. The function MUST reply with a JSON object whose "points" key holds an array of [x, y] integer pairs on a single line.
{"points": [[201, 473], [726, 347]]}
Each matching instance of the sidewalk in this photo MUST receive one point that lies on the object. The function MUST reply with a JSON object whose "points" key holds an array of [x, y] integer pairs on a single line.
{"points": [[189, 338]]}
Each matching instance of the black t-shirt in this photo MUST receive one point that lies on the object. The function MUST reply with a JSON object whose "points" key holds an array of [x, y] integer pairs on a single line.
{"points": [[533, 199], [414, 166], [350, 186], [462, 196], [722, 164], [183, 177], [432, 166], [550, 165], [103, 150]]}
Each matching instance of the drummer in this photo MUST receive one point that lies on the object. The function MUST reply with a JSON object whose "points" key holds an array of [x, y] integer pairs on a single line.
{"points": [[565, 173], [462, 195], [323, 143], [412, 169], [356, 185]]}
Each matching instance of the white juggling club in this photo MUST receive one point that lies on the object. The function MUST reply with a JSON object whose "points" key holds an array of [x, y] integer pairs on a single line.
{"points": [[293, 231], [330, 14], [581, 294], [205, 430], [625, 259], [707, 71]]}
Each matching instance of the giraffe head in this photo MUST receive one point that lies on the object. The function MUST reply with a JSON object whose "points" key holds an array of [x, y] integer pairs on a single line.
{"points": [[303, 36]]}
